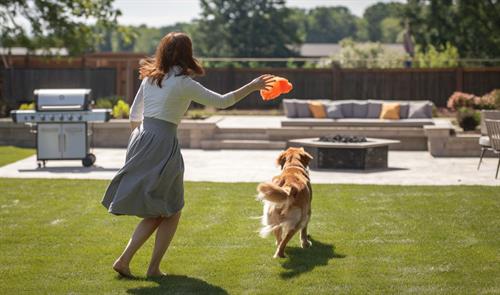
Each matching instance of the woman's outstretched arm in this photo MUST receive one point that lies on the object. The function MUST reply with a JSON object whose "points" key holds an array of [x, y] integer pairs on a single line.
{"points": [[198, 93]]}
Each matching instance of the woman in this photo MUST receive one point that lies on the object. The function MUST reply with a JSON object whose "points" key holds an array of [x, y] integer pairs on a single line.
{"points": [[150, 184]]}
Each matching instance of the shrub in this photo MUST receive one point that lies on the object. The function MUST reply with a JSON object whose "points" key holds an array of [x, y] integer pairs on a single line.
{"points": [[103, 104], [468, 118], [121, 110], [436, 57], [460, 99], [368, 55], [27, 106], [491, 100], [107, 102]]}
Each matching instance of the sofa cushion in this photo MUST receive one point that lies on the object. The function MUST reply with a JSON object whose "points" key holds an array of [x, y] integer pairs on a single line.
{"points": [[404, 107], [302, 107], [419, 110], [334, 110], [484, 141], [353, 122], [290, 108], [359, 109], [390, 111], [374, 108], [317, 109], [347, 108]]}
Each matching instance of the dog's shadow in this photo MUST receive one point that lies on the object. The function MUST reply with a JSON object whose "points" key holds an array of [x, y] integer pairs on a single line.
{"points": [[304, 260], [177, 284]]}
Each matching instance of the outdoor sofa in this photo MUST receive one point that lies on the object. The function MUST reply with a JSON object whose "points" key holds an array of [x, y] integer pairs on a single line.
{"points": [[357, 113]]}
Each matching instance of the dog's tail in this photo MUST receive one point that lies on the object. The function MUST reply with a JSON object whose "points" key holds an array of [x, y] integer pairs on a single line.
{"points": [[274, 193]]}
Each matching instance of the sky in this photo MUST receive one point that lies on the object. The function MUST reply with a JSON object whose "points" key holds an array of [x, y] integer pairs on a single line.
{"points": [[156, 13]]}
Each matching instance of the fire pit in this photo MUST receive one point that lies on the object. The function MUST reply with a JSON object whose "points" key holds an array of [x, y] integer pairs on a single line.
{"points": [[342, 138], [345, 152]]}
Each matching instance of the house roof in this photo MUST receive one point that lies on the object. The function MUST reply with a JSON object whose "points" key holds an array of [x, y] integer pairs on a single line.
{"points": [[329, 49], [24, 51]]}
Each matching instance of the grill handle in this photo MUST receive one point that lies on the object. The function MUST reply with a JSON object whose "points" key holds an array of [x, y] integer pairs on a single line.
{"points": [[61, 107]]}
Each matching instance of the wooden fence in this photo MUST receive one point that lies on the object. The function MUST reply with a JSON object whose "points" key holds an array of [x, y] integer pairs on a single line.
{"points": [[115, 73], [18, 84], [393, 84]]}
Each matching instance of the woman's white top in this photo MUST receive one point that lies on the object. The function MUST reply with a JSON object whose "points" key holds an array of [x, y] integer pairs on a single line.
{"points": [[172, 100]]}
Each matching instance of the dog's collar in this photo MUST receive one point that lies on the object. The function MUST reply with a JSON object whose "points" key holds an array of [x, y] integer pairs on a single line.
{"points": [[292, 165]]}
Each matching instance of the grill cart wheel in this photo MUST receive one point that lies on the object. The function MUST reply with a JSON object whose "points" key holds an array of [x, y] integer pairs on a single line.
{"points": [[89, 160]]}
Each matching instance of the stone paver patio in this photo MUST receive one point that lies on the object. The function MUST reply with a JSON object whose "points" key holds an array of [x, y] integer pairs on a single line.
{"points": [[407, 168]]}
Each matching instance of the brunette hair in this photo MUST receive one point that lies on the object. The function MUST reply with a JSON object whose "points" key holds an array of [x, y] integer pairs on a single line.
{"points": [[175, 49]]}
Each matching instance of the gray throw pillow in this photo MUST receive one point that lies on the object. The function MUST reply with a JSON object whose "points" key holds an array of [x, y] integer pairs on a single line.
{"points": [[302, 107], [420, 110], [403, 110], [359, 109], [334, 110], [347, 109], [290, 108], [374, 109]]}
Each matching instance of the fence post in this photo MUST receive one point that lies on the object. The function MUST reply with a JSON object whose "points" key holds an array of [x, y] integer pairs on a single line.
{"points": [[459, 79], [336, 76]]}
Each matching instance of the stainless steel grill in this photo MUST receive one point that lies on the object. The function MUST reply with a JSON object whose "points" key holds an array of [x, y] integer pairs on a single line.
{"points": [[60, 118]]}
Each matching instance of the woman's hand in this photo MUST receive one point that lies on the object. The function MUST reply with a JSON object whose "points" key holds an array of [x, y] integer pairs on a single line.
{"points": [[263, 82]]}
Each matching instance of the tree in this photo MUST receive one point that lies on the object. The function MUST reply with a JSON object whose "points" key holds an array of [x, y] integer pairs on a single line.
{"points": [[390, 28], [330, 24], [244, 28], [473, 27], [77, 25], [375, 14]]}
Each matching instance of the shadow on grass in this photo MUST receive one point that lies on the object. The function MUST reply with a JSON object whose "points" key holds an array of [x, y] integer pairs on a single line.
{"points": [[175, 284], [304, 260]]}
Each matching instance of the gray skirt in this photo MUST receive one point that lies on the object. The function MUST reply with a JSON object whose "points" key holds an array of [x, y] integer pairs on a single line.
{"points": [[150, 184]]}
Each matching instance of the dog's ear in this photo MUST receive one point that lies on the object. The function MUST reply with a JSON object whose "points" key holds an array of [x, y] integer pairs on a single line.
{"points": [[305, 157], [281, 159]]}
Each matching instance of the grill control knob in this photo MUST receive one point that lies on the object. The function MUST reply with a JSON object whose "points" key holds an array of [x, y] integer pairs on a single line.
{"points": [[70, 117], [32, 117], [61, 118], [42, 118], [80, 117], [52, 118]]}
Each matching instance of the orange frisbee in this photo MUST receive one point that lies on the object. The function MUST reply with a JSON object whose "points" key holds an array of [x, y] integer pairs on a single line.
{"points": [[279, 86]]}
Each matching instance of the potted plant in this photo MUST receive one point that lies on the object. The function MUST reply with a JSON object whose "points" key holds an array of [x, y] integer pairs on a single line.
{"points": [[465, 104], [492, 111]]}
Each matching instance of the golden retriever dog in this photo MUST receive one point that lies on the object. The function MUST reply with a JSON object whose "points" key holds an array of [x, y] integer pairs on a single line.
{"points": [[287, 200]]}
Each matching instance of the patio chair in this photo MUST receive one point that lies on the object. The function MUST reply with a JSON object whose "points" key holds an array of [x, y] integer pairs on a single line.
{"points": [[484, 140], [493, 127]]}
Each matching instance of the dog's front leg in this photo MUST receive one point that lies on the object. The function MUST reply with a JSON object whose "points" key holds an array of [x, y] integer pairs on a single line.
{"points": [[280, 251], [278, 234]]}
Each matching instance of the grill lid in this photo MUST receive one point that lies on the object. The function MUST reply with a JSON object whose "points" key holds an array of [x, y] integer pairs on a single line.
{"points": [[62, 99]]}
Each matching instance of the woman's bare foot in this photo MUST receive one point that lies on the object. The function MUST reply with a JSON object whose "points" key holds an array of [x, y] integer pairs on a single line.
{"points": [[122, 269]]}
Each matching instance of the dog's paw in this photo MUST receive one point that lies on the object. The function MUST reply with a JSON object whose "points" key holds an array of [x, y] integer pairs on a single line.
{"points": [[305, 244], [279, 255]]}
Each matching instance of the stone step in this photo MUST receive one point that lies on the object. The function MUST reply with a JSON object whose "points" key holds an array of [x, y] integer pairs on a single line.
{"points": [[243, 144], [241, 136]]}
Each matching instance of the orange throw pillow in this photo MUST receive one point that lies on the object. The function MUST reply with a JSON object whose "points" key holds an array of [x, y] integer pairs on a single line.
{"points": [[317, 109], [390, 111], [279, 86]]}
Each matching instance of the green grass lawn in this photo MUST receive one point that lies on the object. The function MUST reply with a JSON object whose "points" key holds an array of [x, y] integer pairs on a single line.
{"points": [[10, 154], [56, 238]]}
